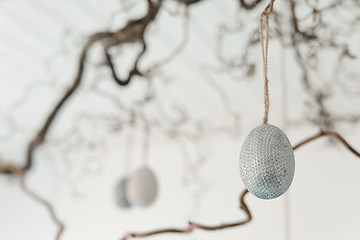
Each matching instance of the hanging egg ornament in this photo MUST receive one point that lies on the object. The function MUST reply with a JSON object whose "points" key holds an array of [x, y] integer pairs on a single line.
{"points": [[120, 194], [267, 162], [142, 187]]}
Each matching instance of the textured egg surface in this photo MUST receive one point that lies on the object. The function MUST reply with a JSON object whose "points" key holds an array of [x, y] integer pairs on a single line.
{"points": [[267, 162], [120, 193], [142, 187]]}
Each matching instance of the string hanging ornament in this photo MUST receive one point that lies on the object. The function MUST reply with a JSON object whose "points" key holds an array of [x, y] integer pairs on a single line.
{"points": [[139, 188], [120, 194], [142, 186], [121, 187], [267, 162]]}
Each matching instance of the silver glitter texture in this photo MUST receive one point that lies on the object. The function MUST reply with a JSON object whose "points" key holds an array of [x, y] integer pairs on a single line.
{"points": [[267, 162]]}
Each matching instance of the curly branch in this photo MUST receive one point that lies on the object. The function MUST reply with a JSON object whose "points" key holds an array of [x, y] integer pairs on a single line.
{"points": [[192, 226], [133, 71], [40, 137], [243, 205], [295, 23], [189, 2], [328, 133], [249, 6], [243, 3], [4, 167], [132, 32]]}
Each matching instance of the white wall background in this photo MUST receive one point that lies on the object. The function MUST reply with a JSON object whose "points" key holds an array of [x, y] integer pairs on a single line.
{"points": [[39, 44]]}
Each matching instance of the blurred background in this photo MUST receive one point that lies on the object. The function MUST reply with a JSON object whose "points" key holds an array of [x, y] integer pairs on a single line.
{"points": [[200, 93]]}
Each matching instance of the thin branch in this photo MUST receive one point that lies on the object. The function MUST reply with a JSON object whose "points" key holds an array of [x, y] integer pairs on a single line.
{"points": [[243, 3], [132, 32], [18, 171], [189, 2], [178, 49], [41, 135], [295, 23], [127, 34], [328, 133], [243, 205], [132, 73], [249, 6], [192, 226]]}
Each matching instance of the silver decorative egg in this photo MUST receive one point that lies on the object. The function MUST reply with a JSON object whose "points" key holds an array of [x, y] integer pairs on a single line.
{"points": [[142, 187], [267, 162], [120, 194]]}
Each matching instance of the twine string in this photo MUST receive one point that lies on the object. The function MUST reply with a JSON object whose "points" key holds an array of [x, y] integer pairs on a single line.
{"points": [[146, 142], [265, 49], [129, 148]]}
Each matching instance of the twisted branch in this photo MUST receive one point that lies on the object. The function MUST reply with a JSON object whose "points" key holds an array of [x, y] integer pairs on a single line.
{"points": [[132, 32], [249, 6], [4, 167], [331, 134], [192, 226], [243, 205], [40, 137]]}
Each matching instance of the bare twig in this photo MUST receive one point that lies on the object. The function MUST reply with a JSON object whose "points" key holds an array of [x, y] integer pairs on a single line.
{"points": [[249, 6], [40, 137], [4, 167], [192, 226], [132, 32], [243, 206], [331, 134]]}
